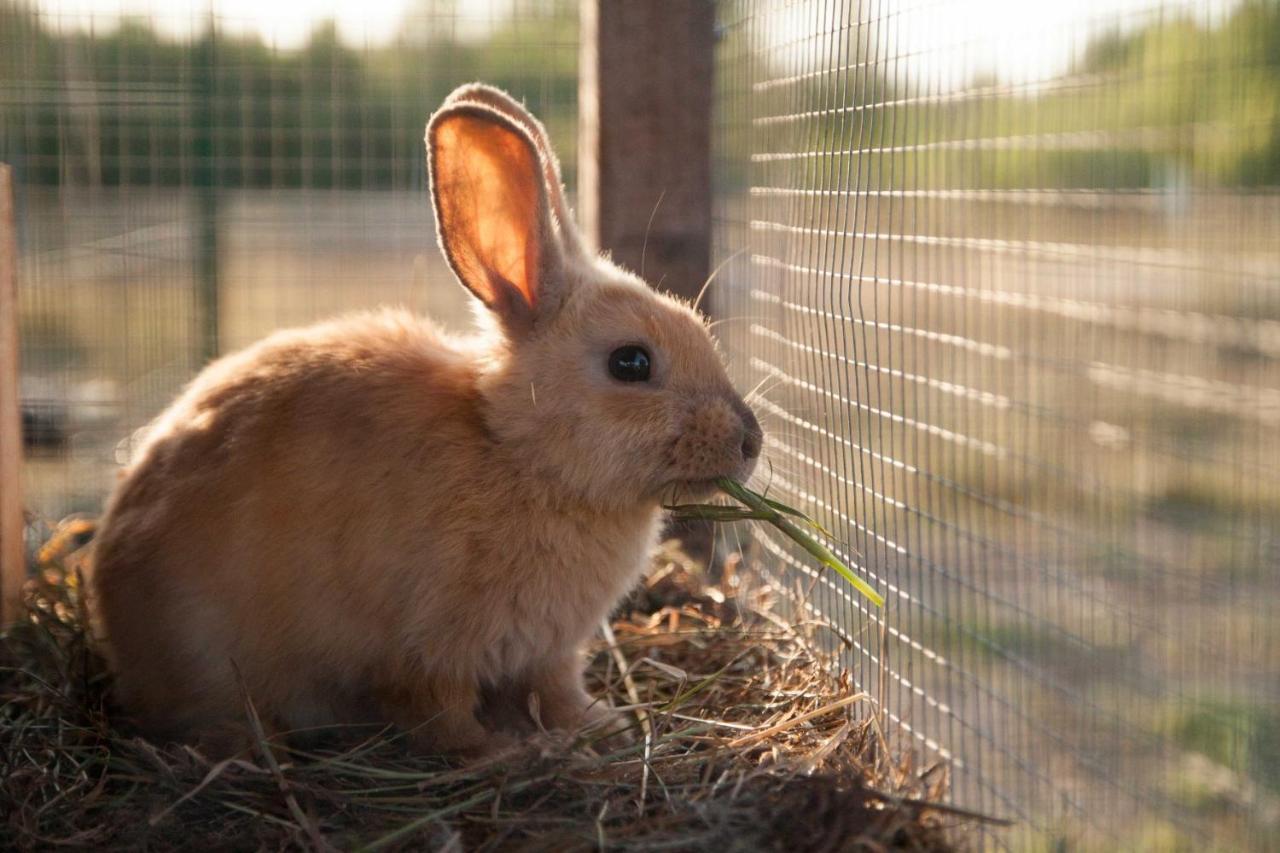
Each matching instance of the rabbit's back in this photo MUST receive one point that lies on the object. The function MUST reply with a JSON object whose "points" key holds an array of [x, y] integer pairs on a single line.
{"points": [[265, 519]]}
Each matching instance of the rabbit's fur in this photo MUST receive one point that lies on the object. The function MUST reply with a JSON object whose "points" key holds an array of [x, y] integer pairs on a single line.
{"points": [[371, 520]]}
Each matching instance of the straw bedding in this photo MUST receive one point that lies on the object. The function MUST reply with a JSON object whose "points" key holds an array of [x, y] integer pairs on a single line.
{"points": [[742, 739]]}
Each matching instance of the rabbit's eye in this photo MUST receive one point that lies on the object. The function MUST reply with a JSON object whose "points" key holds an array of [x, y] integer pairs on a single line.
{"points": [[629, 364]]}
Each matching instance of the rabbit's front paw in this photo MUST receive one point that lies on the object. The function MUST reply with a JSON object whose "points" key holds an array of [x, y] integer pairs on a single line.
{"points": [[439, 714], [460, 738], [567, 708]]}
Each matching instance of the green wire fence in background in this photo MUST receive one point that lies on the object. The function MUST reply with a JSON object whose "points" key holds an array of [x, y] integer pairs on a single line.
{"points": [[186, 186]]}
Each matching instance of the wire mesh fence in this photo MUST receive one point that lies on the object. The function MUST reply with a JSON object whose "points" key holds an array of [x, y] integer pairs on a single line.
{"points": [[187, 185], [1006, 279]]}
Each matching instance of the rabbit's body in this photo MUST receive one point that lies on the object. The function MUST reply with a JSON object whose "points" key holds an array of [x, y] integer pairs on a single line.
{"points": [[370, 520], [345, 470]]}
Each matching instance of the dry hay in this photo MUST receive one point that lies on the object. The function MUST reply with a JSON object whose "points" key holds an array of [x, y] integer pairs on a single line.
{"points": [[749, 743]]}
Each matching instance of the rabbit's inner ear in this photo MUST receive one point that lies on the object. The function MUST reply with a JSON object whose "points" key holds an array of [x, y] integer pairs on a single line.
{"points": [[491, 207], [500, 102]]}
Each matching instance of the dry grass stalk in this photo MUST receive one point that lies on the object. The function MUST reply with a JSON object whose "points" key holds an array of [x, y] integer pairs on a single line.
{"points": [[752, 744]]}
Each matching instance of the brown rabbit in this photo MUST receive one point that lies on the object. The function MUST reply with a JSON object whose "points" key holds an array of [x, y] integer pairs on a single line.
{"points": [[371, 520]]}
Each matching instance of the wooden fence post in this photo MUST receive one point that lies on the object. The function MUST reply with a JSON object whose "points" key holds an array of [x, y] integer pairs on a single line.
{"points": [[644, 149], [644, 153], [13, 567]]}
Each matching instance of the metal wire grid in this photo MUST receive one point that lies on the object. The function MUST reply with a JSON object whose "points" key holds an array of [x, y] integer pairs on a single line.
{"points": [[1019, 347], [184, 189]]}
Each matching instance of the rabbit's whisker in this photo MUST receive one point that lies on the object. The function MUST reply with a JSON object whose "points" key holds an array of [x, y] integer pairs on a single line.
{"points": [[715, 272], [644, 247]]}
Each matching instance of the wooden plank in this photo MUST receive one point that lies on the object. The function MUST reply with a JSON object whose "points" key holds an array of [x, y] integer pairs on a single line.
{"points": [[13, 569], [644, 156]]}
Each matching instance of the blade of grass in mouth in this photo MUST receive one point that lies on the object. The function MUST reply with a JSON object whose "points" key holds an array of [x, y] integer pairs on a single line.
{"points": [[757, 507]]}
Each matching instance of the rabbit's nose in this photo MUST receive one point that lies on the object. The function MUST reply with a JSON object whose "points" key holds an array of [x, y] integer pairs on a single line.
{"points": [[752, 436]]}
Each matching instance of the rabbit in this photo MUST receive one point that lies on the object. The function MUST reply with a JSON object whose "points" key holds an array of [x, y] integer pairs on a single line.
{"points": [[372, 520]]}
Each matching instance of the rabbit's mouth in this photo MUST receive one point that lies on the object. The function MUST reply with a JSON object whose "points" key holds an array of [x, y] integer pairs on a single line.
{"points": [[719, 437], [683, 488], [692, 491]]}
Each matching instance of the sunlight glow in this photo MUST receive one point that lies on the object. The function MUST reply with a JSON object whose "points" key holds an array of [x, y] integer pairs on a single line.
{"points": [[284, 23], [943, 44]]}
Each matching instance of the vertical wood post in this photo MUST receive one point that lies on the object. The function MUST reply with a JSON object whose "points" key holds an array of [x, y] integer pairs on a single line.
{"points": [[644, 150], [13, 568], [644, 154]]}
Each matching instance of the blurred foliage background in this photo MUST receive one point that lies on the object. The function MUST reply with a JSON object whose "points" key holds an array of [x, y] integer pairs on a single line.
{"points": [[131, 106], [1186, 100]]}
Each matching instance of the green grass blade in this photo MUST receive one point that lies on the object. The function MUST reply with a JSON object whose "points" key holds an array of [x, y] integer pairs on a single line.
{"points": [[774, 512], [740, 493], [756, 500], [712, 512], [792, 511], [823, 554]]}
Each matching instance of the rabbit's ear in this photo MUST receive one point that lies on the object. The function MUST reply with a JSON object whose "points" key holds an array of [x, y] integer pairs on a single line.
{"points": [[500, 101], [491, 209]]}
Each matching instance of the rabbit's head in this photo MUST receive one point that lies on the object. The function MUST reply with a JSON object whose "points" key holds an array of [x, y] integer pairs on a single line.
{"points": [[597, 384]]}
